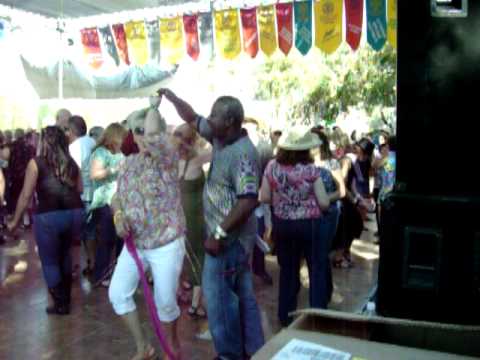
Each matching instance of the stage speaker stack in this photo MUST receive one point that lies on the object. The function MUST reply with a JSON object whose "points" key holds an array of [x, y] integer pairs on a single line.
{"points": [[430, 239]]}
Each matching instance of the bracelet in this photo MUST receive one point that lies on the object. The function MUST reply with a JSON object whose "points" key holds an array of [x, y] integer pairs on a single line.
{"points": [[219, 233]]}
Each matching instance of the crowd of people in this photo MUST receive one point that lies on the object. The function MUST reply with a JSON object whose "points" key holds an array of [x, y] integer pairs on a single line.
{"points": [[302, 192]]}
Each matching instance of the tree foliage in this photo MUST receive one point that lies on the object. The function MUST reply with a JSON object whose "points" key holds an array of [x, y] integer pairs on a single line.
{"points": [[321, 86]]}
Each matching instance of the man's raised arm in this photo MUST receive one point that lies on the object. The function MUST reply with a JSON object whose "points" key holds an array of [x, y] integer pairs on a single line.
{"points": [[184, 110]]}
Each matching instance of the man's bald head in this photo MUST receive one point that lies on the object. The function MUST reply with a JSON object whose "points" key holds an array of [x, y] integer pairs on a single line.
{"points": [[61, 119]]}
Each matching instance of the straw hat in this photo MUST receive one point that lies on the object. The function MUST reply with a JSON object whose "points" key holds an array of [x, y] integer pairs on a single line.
{"points": [[298, 138]]}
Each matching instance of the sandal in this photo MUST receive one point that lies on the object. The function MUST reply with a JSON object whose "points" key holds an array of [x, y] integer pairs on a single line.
{"points": [[197, 312], [147, 355]]}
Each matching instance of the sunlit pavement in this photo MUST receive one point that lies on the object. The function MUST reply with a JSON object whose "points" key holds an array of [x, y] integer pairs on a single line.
{"points": [[93, 331]]}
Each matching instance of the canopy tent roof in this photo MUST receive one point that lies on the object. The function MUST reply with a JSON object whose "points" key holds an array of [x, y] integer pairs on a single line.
{"points": [[81, 8]]}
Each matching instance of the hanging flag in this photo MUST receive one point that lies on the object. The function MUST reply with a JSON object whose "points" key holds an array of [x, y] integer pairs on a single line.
{"points": [[2, 28], [191, 33], [153, 41], [392, 22], [376, 23], [108, 43], [171, 39], [303, 25], [266, 21], [250, 31], [91, 47], [284, 27], [206, 35], [137, 42], [227, 33], [354, 18], [328, 24], [121, 40]]}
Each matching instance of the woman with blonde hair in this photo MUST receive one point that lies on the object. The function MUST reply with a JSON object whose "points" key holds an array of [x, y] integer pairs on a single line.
{"points": [[104, 163]]}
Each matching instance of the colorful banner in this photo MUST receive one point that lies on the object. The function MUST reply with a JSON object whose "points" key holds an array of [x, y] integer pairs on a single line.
{"points": [[153, 32], [206, 35], [392, 22], [91, 47], [227, 33], [266, 21], [137, 42], [250, 31], [376, 23], [121, 41], [285, 27], [328, 24], [303, 25], [171, 39], [108, 43], [354, 19], [191, 33]]}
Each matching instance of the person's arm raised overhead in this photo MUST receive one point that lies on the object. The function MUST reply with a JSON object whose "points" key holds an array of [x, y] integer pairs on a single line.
{"points": [[184, 110]]}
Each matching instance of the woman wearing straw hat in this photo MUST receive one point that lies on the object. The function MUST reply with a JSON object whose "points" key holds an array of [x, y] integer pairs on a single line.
{"points": [[294, 186]]}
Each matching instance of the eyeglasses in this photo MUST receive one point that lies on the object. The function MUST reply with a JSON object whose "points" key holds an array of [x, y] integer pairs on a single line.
{"points": [[139, 131]]}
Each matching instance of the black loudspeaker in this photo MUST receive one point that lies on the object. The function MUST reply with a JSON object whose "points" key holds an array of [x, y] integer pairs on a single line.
{"points": [[430, 233]]}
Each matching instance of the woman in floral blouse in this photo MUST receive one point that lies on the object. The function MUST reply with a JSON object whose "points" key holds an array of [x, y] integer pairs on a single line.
{"points": [[148, 205]]}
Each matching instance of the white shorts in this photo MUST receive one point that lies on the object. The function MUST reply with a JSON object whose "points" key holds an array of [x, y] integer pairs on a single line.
{"points": [[166, 265]]}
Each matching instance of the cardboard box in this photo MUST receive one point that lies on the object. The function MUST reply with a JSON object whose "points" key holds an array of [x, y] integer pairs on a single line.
{"points": [[378, 338]]}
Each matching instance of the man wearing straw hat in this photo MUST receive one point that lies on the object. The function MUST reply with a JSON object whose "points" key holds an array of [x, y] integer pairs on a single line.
{"points": [[230, 198]]}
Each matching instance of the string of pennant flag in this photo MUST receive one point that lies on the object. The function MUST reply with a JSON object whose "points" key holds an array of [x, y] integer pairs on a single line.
{"points": [[262, 28]]}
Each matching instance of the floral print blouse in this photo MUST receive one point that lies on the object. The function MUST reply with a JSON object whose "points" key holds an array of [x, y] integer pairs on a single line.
{"points": [[293, 197], [149, 193]]}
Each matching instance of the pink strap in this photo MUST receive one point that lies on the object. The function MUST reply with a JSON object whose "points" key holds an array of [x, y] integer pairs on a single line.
{"points": [[152, 308]]}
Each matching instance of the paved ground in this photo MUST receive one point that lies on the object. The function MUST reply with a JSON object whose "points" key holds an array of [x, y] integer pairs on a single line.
{"points": [[93, 331]]}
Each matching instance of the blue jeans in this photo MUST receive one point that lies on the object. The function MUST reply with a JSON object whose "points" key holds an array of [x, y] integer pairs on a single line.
{"points": [[233, 314], [295, 239], [330, 223], [54, 232]]}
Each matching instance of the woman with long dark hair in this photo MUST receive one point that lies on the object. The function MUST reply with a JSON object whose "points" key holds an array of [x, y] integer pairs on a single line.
{"points": [[56, 179]]}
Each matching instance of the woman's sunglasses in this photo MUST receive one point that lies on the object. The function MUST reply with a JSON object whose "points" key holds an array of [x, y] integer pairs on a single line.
{"points": [[139, 131]]}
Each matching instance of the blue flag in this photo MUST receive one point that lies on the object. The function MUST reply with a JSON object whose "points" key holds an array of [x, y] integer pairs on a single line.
{"points": [[376, 23], [303, 25]]}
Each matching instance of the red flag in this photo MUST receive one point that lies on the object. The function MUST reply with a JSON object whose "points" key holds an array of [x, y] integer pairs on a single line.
{"points": [[121, 41], [91, 47], [191, 34], [354, 18], [250, 31], [284, 27]]}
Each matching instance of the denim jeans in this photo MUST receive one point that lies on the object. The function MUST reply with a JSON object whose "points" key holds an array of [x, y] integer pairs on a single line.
{"points": [[258, 257], [295, 239], [233, 314], [329, 221], [54, 232]]}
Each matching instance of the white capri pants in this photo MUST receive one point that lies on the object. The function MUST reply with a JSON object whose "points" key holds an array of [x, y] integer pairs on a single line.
{"points": [[165, 263]]}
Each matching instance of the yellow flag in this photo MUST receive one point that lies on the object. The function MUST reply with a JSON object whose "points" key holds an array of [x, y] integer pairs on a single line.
{"points": [[227, 33], [268, 33], [137, 42], [392, 22], [171, 39], [328, 24]]}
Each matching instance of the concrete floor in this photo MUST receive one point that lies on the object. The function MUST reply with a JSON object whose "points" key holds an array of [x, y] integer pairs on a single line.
{"points": [[93, 331]]}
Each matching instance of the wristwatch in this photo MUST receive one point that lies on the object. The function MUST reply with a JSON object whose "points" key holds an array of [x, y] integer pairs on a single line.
{"points": [[219, 234]]}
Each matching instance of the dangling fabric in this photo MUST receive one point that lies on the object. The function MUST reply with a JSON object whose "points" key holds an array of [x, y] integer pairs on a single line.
{"points": [[171, 39], [266, 21], [328, 24], [303, 25], [91, 47], [153, 41], [206, 35], [354, 18], [250, 31], [109, 43], [191, 34], [376, 24], [284, 27], [227, 33], [392, 23], [121, 41], [137, 42]]}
